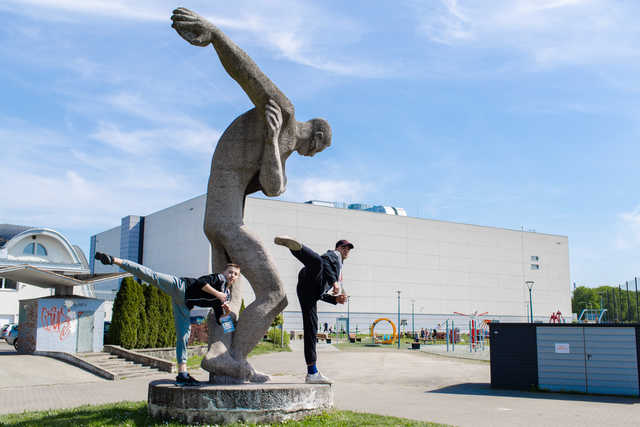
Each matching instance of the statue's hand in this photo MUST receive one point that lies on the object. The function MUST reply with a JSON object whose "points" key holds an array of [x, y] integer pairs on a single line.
{"points": [[192, 27], [273, 115]]}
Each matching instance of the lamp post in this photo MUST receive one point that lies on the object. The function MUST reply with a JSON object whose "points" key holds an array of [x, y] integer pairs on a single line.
{"points": [[348, 317], [529, 284], [413, 323], [398, 319]]}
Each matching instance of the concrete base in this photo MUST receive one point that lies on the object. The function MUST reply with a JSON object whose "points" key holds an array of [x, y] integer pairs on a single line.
{"points": [[250, 403]]}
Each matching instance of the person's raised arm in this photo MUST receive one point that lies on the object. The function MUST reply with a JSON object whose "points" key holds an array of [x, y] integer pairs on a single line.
{"points": [[200, 32]]}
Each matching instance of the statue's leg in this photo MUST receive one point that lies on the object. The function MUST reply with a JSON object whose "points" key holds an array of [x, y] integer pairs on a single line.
{"points": [[218, 360], [260, 271]]}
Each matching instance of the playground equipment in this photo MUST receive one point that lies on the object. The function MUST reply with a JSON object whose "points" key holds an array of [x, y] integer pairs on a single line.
{"points": [[389, 340], [451, 335], [557, 317], [592, 315], [478, 330]]}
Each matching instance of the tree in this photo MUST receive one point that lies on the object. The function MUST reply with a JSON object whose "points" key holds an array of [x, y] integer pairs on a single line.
{"points": [[143, 323], [125, 322], [167, 329], [152, 309], [278, 320], [584, 297]]}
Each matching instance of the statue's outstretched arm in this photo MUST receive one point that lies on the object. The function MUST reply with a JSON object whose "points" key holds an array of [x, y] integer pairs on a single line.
{"points": [[272, 178], [200, 32]]}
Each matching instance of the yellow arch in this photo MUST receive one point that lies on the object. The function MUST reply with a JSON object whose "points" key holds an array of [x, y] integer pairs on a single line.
{"points": [[393, 337]]}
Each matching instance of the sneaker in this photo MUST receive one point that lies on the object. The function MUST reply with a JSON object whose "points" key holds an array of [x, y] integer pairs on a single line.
{"points": [[317, 378], [188, 381], [289, 242]]}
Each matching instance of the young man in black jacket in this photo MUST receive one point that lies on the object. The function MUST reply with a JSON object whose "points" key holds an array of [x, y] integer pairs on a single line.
{"points": [[320, 274], [211, 290]]}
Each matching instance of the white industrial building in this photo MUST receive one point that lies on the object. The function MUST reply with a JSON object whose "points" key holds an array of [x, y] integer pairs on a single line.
{"points": [[440, 268]]}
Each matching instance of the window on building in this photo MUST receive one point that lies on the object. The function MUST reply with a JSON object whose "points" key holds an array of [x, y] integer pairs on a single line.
{"points": [[535, 266], [8, 284], [41, 250], [535, 258], [35, 249]]}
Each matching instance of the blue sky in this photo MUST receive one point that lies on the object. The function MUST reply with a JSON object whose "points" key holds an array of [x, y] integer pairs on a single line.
{"points": [[504, 113]]}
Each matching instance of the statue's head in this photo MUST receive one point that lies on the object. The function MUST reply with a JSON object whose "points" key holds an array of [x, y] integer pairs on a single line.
{"points": [[318, 139]]}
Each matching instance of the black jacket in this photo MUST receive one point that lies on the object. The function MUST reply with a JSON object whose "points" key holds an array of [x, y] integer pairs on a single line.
{"points": [[194, 295]]}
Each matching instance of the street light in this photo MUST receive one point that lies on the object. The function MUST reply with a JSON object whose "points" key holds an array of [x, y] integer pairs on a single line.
{"points": [[529, 284], [413, 323], [348, 317], [398, 319]]}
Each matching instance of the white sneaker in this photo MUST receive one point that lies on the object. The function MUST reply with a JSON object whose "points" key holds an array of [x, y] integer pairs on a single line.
{"points": [[317, 378], [289, 242]]}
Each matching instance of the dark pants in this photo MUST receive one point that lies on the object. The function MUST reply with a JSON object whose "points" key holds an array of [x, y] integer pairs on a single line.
{"points": [[310, 288]]}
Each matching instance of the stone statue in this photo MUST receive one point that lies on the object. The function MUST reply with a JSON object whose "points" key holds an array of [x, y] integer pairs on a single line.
{"points": [[250, 157]]}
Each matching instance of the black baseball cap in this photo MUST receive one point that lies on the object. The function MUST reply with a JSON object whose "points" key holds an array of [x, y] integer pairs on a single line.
{"points": [[343, 242]]}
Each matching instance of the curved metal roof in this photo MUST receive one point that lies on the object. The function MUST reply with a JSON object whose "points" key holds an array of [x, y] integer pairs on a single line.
{"points": [[8, 231]]}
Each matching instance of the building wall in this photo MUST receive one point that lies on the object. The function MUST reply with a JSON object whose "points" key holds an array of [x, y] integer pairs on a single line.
{"points": [[443, 267], [9, 300], [174, 240], [107, 242]]}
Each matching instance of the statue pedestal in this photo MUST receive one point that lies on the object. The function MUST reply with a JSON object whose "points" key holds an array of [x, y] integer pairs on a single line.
{"points": [[272, 402]]}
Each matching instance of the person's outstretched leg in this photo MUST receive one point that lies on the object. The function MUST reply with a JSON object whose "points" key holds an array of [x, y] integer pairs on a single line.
{"points": [[175, 288], [311, 260]]}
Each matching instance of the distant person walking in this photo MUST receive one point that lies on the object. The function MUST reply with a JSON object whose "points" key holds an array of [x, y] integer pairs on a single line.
{"points": [[320, 275]]}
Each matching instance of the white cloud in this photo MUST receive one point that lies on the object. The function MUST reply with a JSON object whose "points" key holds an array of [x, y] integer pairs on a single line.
{"points": [[333, 190], [629, 236], [548, 33], [60, 9], [303, 33], [50, 179], [201, 140], [184, 133]]}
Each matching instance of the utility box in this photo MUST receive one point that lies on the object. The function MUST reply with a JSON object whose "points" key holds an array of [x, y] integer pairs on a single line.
{"points": [[514, 362], [72, 325], [586, 358]]}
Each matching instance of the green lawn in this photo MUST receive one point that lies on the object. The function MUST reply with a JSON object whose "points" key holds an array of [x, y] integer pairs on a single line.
{"points": [[135, 414], [263, 347]]}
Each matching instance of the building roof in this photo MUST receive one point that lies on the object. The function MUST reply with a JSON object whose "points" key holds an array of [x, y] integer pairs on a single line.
{"points": [[8, 231]]}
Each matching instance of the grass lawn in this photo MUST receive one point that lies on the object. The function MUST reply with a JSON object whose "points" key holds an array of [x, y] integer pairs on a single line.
{"points": [[135, 414], [262, 348]]}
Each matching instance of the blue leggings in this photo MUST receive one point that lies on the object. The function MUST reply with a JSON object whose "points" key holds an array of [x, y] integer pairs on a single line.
{"points": [[175, 288]]}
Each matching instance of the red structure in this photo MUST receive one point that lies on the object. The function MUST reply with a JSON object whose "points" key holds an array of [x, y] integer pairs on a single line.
{"points": [[557, 317]]}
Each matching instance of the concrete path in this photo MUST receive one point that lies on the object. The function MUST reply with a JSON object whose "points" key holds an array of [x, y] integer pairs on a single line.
{"points": [[428, 387], [386, 381], [461, 351], [37, 382]]}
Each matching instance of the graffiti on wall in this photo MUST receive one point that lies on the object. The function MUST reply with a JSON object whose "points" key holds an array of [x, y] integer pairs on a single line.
{"points": [[60, 328], [57, 319]]}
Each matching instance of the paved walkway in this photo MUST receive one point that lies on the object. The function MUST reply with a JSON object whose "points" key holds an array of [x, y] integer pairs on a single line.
{"points": [[460, 351], [386, 381]]}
